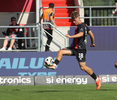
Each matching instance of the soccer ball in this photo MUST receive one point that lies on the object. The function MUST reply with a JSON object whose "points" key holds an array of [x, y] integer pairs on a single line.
{"points": [[48, 61]]}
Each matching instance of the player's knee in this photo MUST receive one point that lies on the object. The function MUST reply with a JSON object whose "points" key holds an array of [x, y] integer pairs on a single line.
{"points": [[82, 68], [60, 51]]}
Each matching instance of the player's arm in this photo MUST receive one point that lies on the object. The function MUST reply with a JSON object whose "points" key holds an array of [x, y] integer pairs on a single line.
{"points": [[40, 18], [92, 38], [80, 34]]}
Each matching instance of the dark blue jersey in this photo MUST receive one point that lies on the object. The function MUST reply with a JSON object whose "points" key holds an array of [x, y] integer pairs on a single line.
{"points": [[80, 43]]}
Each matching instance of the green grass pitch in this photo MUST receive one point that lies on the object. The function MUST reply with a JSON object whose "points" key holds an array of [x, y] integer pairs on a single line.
{"points": [[59, 92]]}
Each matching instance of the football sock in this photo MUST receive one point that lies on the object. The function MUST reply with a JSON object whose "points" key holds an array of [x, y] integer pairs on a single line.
{"points": [[57, 61], [96, 79], [94, 76]]}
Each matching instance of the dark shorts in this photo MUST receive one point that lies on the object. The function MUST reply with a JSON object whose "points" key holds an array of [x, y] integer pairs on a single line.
{"points": [[79, 53]]}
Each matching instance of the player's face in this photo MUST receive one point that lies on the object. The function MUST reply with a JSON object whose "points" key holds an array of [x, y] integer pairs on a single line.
{"points": [[76, 21]]}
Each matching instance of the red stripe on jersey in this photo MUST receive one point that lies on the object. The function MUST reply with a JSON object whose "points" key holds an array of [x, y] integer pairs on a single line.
{"points": [[76, 40], [76, 43]]}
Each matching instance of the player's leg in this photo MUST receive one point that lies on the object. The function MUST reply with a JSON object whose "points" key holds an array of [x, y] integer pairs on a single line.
{"points": [[65, 51], [62, 52], [86, 69], [91, 73], [81, 57]]}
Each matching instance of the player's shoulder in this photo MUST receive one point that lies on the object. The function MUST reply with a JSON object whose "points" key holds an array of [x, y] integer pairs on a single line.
{"points": [[82, 25]]}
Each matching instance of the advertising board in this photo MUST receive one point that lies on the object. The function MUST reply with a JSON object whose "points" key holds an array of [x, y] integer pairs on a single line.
{"points": [[31, 64]]}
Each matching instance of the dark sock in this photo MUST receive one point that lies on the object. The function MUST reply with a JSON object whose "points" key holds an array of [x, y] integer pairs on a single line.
{"points": [[57, 61], [94, 76]]}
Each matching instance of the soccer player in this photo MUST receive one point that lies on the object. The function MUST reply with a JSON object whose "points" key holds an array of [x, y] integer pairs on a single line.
{"points": [[78, 47]]}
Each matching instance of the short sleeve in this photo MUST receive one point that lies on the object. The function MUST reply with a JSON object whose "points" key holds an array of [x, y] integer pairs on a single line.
{"points": [[81, 29], [88, 29]]}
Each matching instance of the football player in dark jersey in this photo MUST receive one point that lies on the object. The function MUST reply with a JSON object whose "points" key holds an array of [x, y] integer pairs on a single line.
{"points": [[78, 47]]}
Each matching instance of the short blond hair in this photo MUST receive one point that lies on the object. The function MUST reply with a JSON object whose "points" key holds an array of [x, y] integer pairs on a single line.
{"points": [[74, 15]]}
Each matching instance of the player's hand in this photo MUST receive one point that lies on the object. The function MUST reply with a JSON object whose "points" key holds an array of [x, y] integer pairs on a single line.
{"points": [[92, 45], [67, 35]]}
